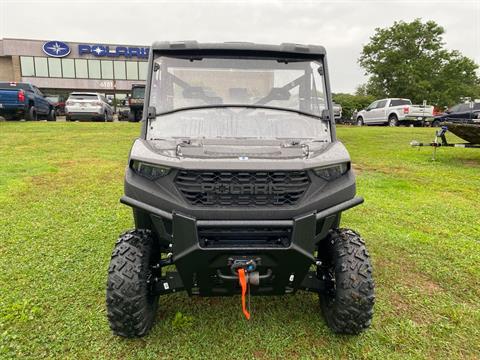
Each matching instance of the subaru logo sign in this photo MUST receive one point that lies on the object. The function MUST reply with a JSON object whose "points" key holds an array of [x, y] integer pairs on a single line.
{"points": [[56, 49]]}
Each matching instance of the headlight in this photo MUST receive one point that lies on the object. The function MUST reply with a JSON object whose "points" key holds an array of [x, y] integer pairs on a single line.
{"points": [[149, 171], [332, 172]]}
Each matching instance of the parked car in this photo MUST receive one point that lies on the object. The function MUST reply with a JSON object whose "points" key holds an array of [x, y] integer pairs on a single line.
{"points": [[24, 101], [88, 106], [465, 112], [136, 102], [58, 102], [394, 111]]}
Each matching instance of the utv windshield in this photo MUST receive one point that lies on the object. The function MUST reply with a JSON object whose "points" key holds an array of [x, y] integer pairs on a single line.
{"points": [[214, 97]]}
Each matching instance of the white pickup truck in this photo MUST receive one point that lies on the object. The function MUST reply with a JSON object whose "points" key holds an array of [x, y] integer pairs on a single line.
{"points": [[394, 111]]}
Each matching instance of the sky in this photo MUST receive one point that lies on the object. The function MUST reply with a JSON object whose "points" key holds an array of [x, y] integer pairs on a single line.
{"points": [[343, 27]]}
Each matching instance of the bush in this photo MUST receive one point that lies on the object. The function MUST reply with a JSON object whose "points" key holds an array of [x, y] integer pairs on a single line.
{"points": [[351, 102]]}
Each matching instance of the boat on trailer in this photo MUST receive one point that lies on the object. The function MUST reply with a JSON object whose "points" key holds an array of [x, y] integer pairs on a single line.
{"points": [[469, 132]]}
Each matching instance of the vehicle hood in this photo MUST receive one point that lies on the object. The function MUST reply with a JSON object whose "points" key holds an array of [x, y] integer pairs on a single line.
{"points": [[260, 154]]}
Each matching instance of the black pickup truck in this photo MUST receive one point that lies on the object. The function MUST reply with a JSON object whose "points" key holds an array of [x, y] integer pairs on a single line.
{"points": [[24, 101], [468, 112]]}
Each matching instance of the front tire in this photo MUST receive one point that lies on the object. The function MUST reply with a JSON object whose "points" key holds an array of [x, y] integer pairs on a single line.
{"points": [[360, 121], [131, 306], [347, 302]]}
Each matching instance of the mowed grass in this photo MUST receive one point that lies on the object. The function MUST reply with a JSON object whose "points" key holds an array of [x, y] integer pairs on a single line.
{"points": [[60, 216]]}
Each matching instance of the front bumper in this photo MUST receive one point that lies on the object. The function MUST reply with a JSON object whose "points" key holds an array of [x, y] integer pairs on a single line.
{"points": [[203, 250]]}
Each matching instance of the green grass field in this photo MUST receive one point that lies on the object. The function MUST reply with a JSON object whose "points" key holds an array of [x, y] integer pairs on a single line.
{"points": [[60, 216]]}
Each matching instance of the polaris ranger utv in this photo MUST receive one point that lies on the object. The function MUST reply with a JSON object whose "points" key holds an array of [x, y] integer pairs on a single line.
{"points": [[237, 182]]}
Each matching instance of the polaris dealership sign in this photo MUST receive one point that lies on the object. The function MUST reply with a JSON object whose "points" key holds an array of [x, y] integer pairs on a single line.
{"points": [[107, 51], [56, 49], [60, 49]]}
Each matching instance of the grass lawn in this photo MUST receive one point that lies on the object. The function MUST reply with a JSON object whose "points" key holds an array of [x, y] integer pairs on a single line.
{"points": [[60, 215]]}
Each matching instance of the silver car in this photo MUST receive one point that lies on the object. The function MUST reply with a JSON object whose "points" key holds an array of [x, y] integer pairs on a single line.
{"points": [[88, 106]]}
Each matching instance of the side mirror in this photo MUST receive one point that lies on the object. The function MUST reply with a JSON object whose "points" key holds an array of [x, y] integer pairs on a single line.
{"points": [[326, 115], [151, 112]]}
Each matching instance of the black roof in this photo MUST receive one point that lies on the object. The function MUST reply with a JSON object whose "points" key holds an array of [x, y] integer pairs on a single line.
{"points": [[196, 47]]}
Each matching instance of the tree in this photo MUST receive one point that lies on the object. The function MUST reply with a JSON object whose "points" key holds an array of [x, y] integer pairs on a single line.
{"points": [[409, 60], [351, 102]]}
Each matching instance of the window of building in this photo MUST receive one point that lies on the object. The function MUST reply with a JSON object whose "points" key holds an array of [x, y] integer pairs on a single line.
{"points": [[119, 70], [26, 63], [54, 67], [132, 70], [41, 67], [94, 71], [68, 67], [81, 68], [120, 96], [142, 70], [107, 69]]}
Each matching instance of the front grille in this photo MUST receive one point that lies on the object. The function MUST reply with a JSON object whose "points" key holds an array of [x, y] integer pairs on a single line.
{"points": [[242, 188], [244, 237]]}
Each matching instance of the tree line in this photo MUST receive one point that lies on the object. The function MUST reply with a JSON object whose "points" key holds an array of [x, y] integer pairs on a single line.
{"points": [[409, 60]]}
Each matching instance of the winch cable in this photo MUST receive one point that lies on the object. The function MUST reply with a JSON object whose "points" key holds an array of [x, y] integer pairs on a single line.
{"points": [[242, 279]]}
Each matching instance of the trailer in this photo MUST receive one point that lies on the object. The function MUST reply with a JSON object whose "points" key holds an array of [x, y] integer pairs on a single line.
{"points": [[467, 131]]}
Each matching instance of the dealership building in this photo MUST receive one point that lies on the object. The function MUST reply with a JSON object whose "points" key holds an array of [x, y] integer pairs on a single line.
{"points": [[60, 67]]}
